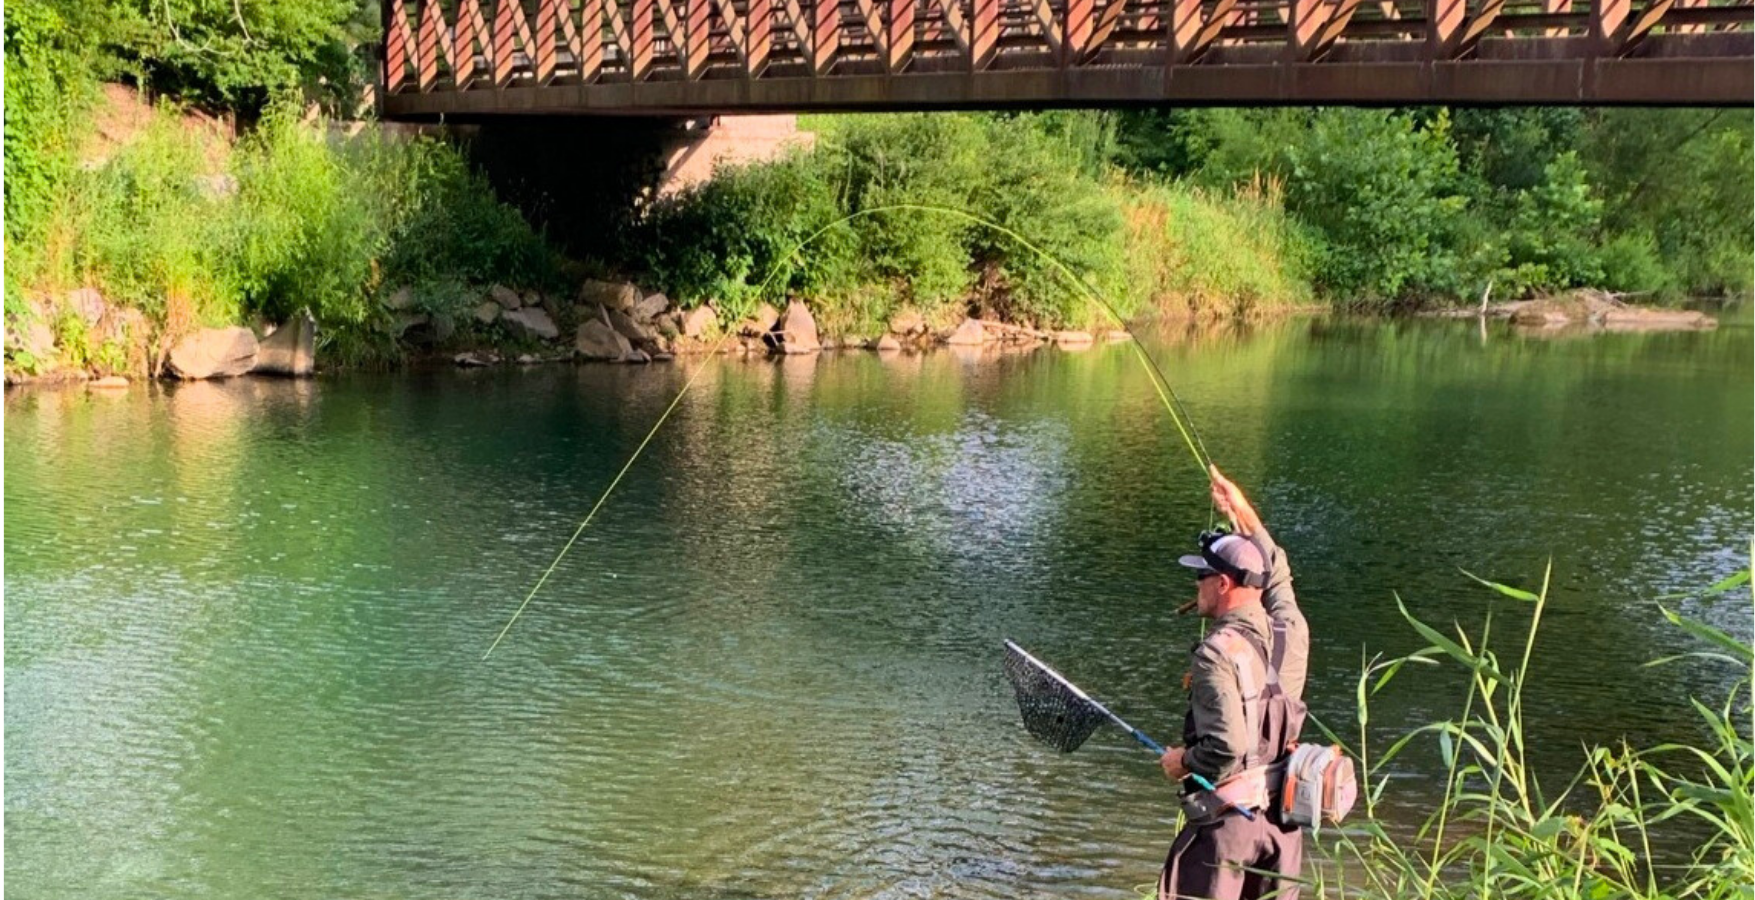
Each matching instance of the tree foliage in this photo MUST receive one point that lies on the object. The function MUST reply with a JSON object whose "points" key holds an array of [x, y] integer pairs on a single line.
{"points": [[1419, 204]]}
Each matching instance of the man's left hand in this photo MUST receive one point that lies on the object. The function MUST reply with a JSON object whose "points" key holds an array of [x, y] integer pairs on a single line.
{"points": [[1174, 769]]}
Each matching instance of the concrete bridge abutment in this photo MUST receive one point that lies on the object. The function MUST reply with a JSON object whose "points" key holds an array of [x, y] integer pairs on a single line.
{"points": [[582, 178]]}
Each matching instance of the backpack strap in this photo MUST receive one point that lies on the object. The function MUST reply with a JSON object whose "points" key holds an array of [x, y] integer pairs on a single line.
{"points": [[1256, 682]]}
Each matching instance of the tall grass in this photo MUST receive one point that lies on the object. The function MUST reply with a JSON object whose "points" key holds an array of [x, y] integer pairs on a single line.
{"points": [[1199, 252], [187, 229], [1146, 246], [1498, 833]]}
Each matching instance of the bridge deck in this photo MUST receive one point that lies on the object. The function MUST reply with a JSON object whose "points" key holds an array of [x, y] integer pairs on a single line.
{"points": [[482, 58]]}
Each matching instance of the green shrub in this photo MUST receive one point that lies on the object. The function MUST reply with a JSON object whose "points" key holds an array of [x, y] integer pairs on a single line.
{"points": [[1551, 238], [1034, 186], [912, 159], [1685, 176], [1382, 190], [1631, 263], [912, 192], [732, 238], [192, 232], [1414, 205], [308, 232], [445, 226]]}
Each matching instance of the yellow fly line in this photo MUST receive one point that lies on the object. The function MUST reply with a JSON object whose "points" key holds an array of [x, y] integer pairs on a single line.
{"points": [[1166, 394]]}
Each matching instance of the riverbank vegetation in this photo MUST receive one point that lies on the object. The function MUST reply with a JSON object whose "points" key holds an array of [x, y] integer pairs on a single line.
{"points": [[1045, 177], [237, 201], [1429, 205], [1232, 211], [245, 208]]}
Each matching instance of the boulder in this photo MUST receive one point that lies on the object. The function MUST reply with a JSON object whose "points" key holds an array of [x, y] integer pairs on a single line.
{"points": [[907, 322], [526, 359], [405, 321], [968, 334], [125, 326], [887, 344], [697, 321], [1640, 319], [291, 349], [616, 295], [631, 329], [505, 297], [531, 298], [403, 298], [1117, 335], [1538, 317], [214, 353], [33, 337], [596, 340], [531, 322], [434, 329], [486, 312], [474, 360], [88, 305], [1072, 340], [761, 323], [637, 356], [108, 383], [649, 306], [796, 330]]}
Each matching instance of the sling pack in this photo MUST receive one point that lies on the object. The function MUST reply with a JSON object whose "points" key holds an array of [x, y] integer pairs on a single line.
{"points": [[1319, 786]]}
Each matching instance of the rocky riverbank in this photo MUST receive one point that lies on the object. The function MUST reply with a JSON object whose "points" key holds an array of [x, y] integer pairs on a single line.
{"points": [[618, 322], [605, 321], [612, 322], [1588, 310]]}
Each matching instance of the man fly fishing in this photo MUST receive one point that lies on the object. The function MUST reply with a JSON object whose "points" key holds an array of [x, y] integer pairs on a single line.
{"points": [[1245, 709]]}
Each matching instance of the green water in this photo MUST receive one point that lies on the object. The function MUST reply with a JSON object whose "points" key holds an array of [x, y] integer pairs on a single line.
{"points": [[244, 621]]}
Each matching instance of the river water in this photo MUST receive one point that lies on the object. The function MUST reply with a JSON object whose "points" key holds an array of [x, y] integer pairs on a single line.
{"points": [[245, 621]]}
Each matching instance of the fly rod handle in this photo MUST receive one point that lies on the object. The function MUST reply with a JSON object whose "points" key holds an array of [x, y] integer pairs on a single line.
{"points": [[1201, 780]]}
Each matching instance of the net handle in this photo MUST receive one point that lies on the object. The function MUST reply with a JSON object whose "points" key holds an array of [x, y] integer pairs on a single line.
{"points": [[1138, 735]]}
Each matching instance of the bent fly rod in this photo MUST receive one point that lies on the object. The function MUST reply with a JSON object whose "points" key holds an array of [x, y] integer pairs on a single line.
{"points": [[1166, 394]]}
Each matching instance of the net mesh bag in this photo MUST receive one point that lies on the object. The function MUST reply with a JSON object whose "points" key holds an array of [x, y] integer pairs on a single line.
{"points": [[1053, 711]]}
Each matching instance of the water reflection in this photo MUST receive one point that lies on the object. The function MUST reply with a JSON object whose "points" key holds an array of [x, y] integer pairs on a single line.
{"points": [[246, 619]]}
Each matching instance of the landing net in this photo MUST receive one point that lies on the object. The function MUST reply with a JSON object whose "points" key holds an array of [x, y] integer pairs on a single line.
{"points": [[1054, 711]]}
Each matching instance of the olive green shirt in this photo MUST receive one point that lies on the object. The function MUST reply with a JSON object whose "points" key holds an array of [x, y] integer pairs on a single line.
{"points": [[1218, 733]]}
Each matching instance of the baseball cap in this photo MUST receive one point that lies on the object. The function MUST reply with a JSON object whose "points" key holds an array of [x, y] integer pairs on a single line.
{"points": [[1231, 555]]}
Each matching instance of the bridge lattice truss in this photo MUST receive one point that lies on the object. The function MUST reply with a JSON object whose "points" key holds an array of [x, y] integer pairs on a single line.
{"points": [[502, 56]]}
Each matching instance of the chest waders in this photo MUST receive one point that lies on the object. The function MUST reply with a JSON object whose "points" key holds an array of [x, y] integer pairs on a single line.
{"points": [[1271, 718]]}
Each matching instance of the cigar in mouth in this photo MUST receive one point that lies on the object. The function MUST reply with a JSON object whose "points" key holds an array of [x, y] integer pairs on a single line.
{"points": [[1188, 607]]}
